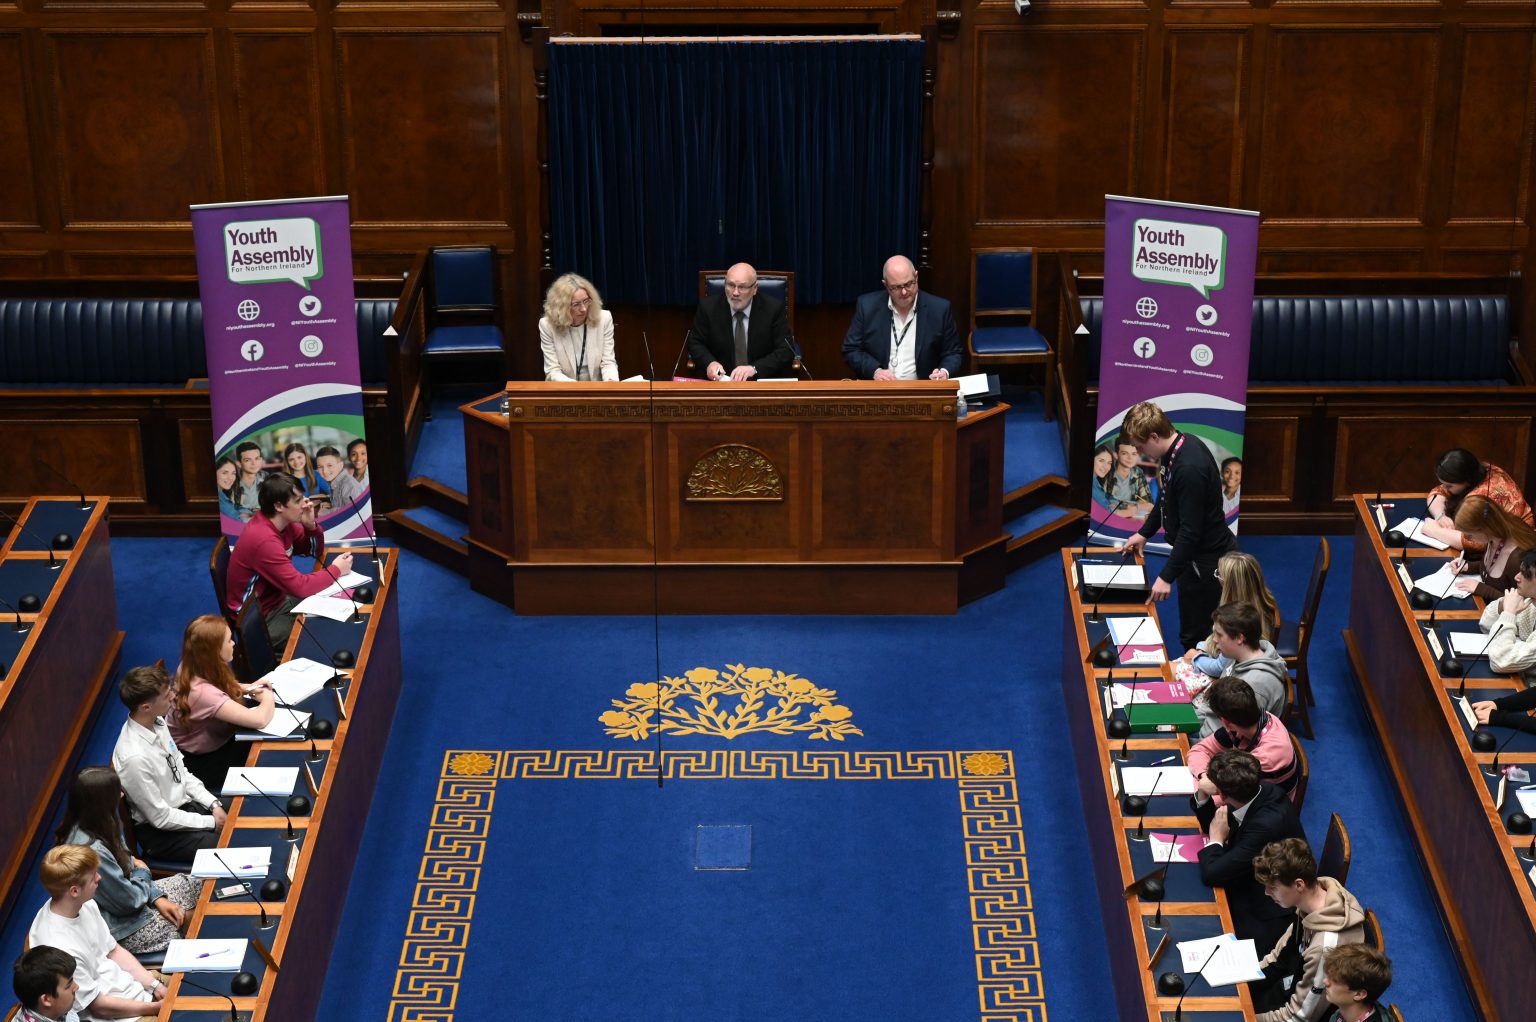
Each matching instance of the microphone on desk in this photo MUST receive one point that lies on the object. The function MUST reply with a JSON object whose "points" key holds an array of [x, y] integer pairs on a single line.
{"points": [[794, 355], [1448, 662], [341, 660], [1183, 988], [242, 983], [245, 885], [677, 363], [1461, 689], [1120, 727], [1139, 808], [1082, 571], [1391, 537], [298, 805], [66, 480], [63, 541], [357, 612], [319, 728], [20, 626], [1099, 593], [1492, 769], [373, 542]]}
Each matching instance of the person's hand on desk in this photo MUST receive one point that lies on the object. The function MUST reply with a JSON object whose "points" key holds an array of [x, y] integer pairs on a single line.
{"points": [[884, 374], [714, 371], [1221, 826], [1482, 710], [939, 374], [341, 564], [741, 374], [1465, 585]]}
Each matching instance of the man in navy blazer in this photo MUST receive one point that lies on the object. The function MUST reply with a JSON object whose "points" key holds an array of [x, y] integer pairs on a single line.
{"points": [[712, 339], [896, 336]]}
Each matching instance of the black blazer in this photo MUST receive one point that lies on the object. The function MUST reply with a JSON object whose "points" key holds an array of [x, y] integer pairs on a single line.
{"points": [[867, 346], [711, 338], [1271, 817]]}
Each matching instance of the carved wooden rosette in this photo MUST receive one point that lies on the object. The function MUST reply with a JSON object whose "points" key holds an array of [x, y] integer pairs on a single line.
{"points": [[734, 472]]}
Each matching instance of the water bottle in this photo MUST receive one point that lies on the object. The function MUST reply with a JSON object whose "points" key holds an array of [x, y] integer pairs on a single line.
{"points": [[961, 408]]}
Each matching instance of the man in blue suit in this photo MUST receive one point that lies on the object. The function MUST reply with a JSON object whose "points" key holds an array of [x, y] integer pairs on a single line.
{"points": [[894, 336]]}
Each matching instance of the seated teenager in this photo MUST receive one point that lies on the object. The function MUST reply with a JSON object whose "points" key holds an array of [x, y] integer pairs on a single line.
{"points": [[1242, 581], [1354, 978], [1513, 650], [173, 813], [1243, 726], [1496, 539], [112, 982], [210, 702], [44, 981], [1236, 628], [1253, 814], [1460, 474], [264, 555], [142, 914], [1327, 917]]}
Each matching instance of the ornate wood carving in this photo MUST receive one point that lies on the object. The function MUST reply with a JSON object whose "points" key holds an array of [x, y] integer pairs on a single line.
{"points": [[734, 472]]}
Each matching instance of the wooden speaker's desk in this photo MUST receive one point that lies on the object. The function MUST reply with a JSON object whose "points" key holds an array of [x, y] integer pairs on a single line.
{"points": [[797, 497], [1132, 929], [53, 674], [1477, 867]]}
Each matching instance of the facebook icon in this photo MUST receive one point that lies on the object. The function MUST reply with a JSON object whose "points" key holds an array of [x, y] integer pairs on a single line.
{"points": [[1145, 347], [252, 351]]}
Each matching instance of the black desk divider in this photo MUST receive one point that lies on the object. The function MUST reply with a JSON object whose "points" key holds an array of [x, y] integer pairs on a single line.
{"points": [[1519, 741], [19, 575], [1180, 929], [1182, 881], [48, 519]]}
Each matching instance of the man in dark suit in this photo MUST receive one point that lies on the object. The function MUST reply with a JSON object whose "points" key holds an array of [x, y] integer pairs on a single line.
{"points": [[740, 334], [894, 336], [1253, 813]]}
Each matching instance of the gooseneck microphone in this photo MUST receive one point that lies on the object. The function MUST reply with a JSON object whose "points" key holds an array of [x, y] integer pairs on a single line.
{"points": [[1101, 590], [339, 660], [245, 885], [357, 612], [1461, 689], [1178, 1009], [1141, 825], [677, 363], [234, 1014], [1120, 727], [20, 626], [1492, 769], [797, 355], [298, 804], [1448, 662], [369, 532], [66, 480], [62, 541]]}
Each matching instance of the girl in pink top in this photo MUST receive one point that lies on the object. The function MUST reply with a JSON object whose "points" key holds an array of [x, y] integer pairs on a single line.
{"points": [[210, 702]]}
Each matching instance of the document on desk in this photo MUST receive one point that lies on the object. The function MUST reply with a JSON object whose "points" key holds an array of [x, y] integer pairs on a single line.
{"points": [[1156, 693], [1469, 644], [1125, 575], [218, 954], [1439, 584], [1175, 847], [275, 781], [1137, 640], [1527, 797], [1169, 780], [253, 862], [296, 680], [351, 580], [1234, 961], [285, 723], [326, 606], [1193, 953], [1412, 528]]}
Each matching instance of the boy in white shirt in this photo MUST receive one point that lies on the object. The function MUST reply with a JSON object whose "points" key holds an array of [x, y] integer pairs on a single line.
{"points": [[113, 984]]}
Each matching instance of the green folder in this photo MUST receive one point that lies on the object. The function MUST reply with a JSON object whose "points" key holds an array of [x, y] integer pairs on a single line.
{"points": [[1153, 717]]}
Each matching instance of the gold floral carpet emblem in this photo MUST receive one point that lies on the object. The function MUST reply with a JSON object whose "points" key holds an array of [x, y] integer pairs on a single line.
{"points": [[741, 701]]}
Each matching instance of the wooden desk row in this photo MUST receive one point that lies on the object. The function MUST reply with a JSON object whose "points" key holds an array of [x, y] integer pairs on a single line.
{"points": [[304, 921], [55, 670], [1190, 910], [1480, 871]]}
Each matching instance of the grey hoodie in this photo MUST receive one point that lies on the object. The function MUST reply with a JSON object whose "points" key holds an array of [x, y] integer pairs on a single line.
{"points": [[1265, 674], [1339, 921]]}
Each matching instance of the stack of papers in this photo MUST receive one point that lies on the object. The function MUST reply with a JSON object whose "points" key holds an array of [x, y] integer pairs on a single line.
{"points": [[274, 781], [1137, 640], [1410, 528], [351, 580], [284, 724], [1439, 584], [298, 679], [1125, 575], [224, 954], [1169, 780], [1175, 847], [326, 606], [1225, 959], [219, 863], [1468, 644]]}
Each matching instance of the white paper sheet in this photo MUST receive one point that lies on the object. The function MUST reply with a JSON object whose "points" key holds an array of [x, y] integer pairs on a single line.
{"points": [[326, 606], [1469, 644], [1170, 780], [1412, 528], [1439, 584], [254, 861], [298, 679], [275, 781], [284, 724], [351, 580], [220, 954], [1127, 575]]}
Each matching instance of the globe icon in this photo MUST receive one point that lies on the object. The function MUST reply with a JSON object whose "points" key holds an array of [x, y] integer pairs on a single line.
{"points": [[1146, 308], [248, 310]]}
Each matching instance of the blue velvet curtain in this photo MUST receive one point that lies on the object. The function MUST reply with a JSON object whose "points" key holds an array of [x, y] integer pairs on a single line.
{"points": [[669, 158]]}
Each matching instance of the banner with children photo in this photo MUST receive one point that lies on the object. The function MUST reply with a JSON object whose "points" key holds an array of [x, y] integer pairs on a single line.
{"points": [[1178, 314], [284, 377]]}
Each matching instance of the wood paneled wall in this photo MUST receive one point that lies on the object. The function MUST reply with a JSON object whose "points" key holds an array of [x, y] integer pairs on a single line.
{"points": [[1373, 135]]}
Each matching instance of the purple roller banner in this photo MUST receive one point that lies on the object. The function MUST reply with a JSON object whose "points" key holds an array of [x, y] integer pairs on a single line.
{"points": [[280, 326], [1178, 311]]}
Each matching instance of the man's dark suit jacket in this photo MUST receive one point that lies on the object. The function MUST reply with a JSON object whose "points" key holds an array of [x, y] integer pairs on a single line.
{"points": [[868, 344], [712, 339], [1271, 817]]}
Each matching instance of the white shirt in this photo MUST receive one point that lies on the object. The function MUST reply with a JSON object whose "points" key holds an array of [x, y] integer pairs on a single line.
{"points": [[156, 779], [87, 938], [903, 357]]}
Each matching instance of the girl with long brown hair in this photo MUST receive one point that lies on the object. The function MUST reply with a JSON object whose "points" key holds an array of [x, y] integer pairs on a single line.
{"points": [[1496, 541], [210, 702]]}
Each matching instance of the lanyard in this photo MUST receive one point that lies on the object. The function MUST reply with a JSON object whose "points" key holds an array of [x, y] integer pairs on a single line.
{"points": [[896, 338], [1163, 471], [581, 359]]}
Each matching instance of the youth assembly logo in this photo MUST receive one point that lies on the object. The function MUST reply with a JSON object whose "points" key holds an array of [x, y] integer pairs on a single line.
{"points": [[1170, 252], [267, 251]]}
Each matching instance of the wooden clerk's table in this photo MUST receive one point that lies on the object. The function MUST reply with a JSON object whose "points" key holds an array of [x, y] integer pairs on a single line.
{"points": [[1478, 868], [1190, 909], [846, 497], [53, 674], [305, 919]]}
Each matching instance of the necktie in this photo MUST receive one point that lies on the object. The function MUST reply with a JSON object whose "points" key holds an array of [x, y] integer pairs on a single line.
{"points": [[741, 339]]}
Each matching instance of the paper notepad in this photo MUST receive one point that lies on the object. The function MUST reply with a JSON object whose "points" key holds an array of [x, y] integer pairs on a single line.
{"points": [[1439, 585], [255, 861], [1137, 640], [1411, 529], [1469, 644], [326, 606], [285, 723], [1128, 575], [224, 954], [297, 680], [1175, 848], [351, 580], [1170, 780], [1527, 799], [275, 781]]}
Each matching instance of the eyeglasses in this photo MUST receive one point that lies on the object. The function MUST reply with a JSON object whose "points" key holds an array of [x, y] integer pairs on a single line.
{"points": [[908, 286], [730, 286], [581, 304], [170, 761]]}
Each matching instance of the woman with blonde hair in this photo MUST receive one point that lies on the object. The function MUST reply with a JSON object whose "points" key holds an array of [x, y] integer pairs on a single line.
{"points": [[1496, 540], [1242, 581], [576, 333], [210, 702]]}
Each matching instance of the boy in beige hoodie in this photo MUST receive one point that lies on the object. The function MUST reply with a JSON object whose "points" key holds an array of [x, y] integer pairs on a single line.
{"points": [[1327, 916]]}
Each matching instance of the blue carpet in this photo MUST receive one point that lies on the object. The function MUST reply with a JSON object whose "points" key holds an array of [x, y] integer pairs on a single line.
{"points": [[1032, 447]]}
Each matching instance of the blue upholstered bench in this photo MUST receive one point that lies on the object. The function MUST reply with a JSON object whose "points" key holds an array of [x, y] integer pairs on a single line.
{"points": [[70, 343], [1364, 341]]}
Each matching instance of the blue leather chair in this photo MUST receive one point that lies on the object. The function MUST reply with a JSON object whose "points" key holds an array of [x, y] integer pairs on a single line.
{"points": [[779, 284], [463, 308], [1002, 316]]}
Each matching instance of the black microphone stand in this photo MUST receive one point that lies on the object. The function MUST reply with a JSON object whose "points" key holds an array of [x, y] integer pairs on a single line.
{"points": [[66, 480], [67, 540], [339, 660], [1461, 689], [297, 803], [234, 1014], [21, 626], [245, 885]]}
